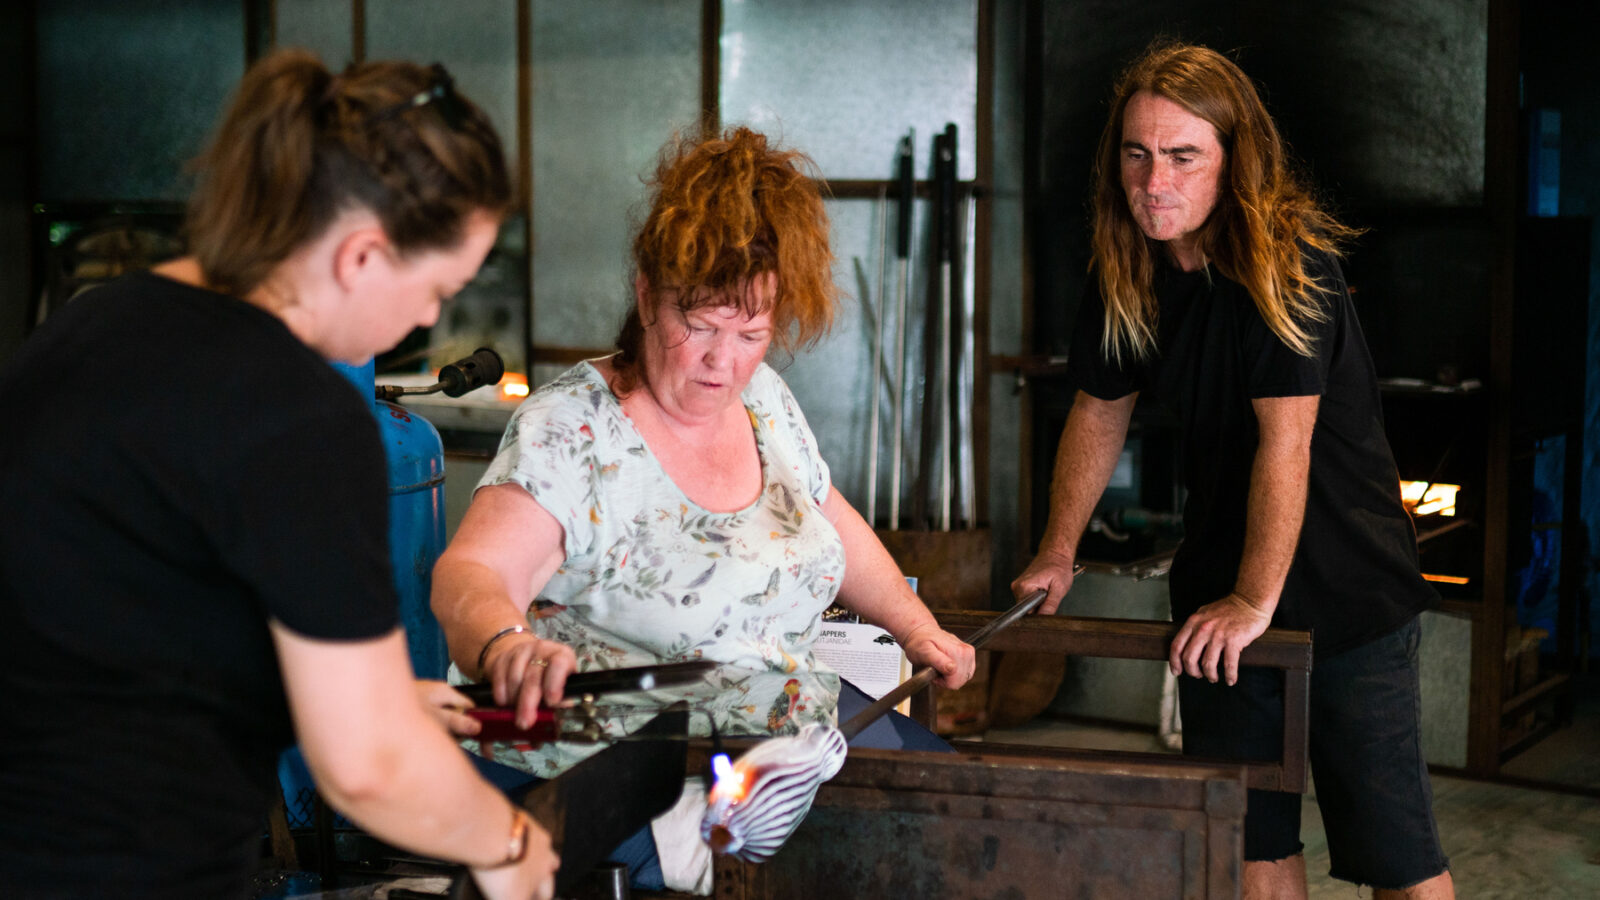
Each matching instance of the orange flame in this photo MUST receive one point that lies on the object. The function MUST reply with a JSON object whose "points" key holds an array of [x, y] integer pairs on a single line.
{"points": [[728, 781]]}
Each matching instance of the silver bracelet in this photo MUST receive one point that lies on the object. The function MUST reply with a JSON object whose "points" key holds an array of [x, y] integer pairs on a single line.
{"points": [[484, 653]]}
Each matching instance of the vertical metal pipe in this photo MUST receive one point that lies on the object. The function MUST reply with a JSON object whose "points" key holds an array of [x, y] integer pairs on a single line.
{"points": [[945, 174], [358, 31], [877, 363], [524, 128], [710, 67], [966, 385], [902, 287]]}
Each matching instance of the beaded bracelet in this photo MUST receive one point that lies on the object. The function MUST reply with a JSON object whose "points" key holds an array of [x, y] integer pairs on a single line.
{"points": [[483, 654]]}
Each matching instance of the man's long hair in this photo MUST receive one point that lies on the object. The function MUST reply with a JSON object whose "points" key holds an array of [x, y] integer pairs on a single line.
{"points": [[1253, 235]]}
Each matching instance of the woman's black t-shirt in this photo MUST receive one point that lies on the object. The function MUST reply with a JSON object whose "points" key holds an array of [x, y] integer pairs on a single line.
{"points": [[1355, 574], [176, 470]]}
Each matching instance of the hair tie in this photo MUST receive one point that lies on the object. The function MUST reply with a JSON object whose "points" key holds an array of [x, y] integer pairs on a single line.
{"points": [[331, 92]]}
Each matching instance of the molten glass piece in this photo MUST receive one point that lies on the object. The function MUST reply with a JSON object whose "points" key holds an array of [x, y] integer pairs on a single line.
{"points": [[756, 803]]}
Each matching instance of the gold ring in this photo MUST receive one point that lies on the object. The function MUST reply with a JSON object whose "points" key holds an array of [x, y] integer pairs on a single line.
{"points": [[541, 662]]}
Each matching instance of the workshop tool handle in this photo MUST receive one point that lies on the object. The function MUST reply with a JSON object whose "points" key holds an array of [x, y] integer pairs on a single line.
{"points": [[945, 179], [902, 249], [499, 724], [925, 676], [907, 192], [612, 681], [569, 721]]}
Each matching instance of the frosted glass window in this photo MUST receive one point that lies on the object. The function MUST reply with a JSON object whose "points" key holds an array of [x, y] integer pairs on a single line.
{"points": [[833, 381], [128, 92], [315, 25], [475, 39], [613, 80], [491, 311], [844, 80]]}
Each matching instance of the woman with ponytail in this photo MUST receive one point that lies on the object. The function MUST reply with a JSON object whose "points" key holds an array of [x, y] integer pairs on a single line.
{"points": [[195, 572]]}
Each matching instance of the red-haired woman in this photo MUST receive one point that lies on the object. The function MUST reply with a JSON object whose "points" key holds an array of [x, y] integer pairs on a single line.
{"points": [[668, 502]]}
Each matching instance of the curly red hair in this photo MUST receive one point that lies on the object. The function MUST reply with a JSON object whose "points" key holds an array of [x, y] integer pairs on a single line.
{"points": [[722, 211]]}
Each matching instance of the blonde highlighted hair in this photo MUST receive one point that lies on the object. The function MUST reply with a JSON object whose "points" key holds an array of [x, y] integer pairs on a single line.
{"points": [[1254, 235]]}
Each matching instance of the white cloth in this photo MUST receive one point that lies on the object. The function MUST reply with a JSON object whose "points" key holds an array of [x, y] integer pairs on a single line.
{"points": [[685, 858]]}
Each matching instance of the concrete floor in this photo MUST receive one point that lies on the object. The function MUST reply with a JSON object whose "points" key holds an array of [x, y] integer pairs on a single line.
{"points": [[1505, 841], [1570, 755]]}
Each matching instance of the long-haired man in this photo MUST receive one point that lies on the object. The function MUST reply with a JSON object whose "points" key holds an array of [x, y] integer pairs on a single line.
{"points": [[1217, 289]]}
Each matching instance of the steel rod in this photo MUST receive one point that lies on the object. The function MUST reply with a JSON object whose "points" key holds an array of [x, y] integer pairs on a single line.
{"points": [[872, 322], [966, 387], [902, 287], [925, 676], [945, 147]]}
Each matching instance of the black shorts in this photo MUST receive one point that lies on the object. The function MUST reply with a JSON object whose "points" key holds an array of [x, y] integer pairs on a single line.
{"points": [[1365, 753]]}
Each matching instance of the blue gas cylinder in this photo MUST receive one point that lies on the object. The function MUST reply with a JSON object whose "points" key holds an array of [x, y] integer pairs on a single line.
{"points": [[415, 457]]}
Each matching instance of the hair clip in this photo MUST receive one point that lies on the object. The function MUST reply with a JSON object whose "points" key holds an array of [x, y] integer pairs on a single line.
{"points": [[440, 93]]}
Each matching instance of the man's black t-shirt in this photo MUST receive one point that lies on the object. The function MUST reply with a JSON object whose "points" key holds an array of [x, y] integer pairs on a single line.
{"points": [[176, 469], [1355, 575]]}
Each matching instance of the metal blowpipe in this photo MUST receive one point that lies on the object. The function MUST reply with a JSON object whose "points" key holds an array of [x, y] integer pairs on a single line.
{"points": [[755, 804], [924, 676]]}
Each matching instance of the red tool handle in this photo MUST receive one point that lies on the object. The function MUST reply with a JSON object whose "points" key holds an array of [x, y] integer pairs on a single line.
{"points": [[499, 724]]}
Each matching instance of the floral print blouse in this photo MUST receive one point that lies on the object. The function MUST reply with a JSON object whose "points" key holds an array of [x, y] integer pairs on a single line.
{"points": [[652, 577]]}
